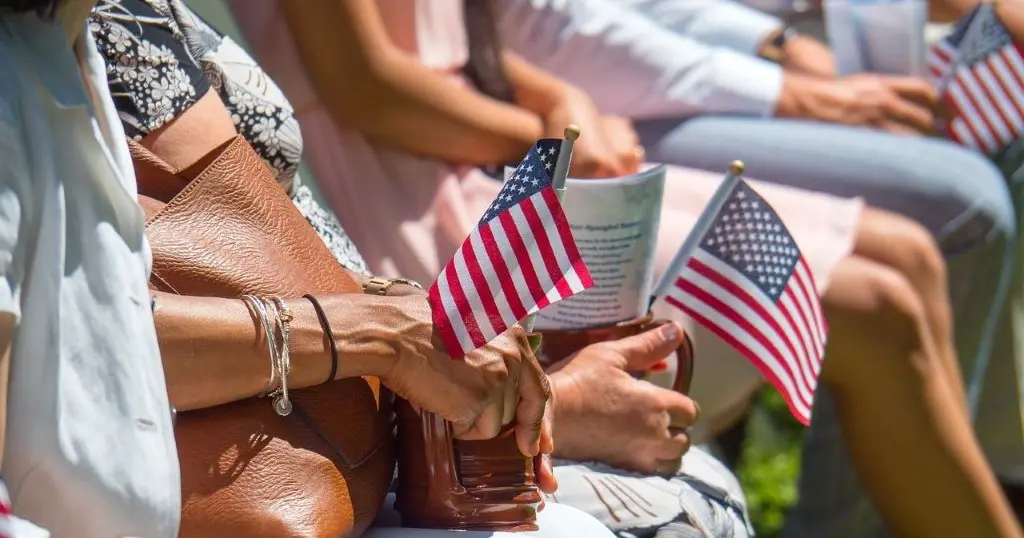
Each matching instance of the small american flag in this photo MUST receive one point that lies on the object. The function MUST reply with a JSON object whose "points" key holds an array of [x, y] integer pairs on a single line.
{"points": [[747, 283], [6, 523], [980, 71], [520, 258]]}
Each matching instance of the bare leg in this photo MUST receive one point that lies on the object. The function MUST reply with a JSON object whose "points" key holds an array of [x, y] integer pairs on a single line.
{"points": [[906, 246], [905, 429]]}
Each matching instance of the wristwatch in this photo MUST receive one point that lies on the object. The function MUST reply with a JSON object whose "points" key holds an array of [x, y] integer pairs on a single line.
{"points": [[775, 49], [379, 286]]}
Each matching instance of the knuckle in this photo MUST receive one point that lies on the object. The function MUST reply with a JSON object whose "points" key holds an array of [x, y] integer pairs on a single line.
{"points": [[544, 383], [498, 373], [466, 417], [682, 443], [489, 429], [479, 396], [690, 409], [648, 465], [532, 422]]}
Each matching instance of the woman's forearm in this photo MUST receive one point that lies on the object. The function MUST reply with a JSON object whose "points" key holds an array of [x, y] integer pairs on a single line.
{"points": [[946, 11], [214, 350], [367, 84], [535, 89]]}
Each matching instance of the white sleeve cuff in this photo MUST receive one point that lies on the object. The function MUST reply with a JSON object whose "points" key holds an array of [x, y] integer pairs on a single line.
{"points": [[743, 84], [8, 302], [733, 26]]}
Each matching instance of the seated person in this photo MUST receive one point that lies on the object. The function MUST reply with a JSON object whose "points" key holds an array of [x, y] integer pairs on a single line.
{"points": [[388, 110], [88, 409], [701, 96], [700, 81], [130, 28], [198, 124]]}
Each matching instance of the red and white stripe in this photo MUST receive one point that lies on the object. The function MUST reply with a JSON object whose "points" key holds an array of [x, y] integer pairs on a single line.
{"points": [[987, 97], [941, 60], [514, 265], [6, 516], [785, 340]]}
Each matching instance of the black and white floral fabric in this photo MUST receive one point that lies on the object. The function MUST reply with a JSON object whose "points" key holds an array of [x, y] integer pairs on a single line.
{"points": [[161, 58]]}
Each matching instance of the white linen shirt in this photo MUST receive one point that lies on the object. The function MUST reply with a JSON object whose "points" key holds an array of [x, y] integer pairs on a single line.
{"points": [[90, 451], [650, 58]]}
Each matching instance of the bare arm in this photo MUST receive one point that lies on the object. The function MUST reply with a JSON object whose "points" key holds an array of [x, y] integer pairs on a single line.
{"points": [[369, 85], [945, 11], [215, 352], [536, 90], [1010, 13]]}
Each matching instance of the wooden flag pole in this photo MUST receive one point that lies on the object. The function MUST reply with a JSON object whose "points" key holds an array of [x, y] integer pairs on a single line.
{"points": [[558, 177], [561, 172], [732, 177]]}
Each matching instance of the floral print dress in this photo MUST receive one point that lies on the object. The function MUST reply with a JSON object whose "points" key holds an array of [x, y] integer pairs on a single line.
{"points": [[162, 58]]}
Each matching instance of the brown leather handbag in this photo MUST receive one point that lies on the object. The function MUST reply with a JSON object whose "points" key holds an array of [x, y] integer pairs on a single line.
{"points": [[226, 228]]}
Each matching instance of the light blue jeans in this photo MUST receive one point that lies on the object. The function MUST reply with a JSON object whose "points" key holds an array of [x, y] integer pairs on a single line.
{"points": [[703, 501], [957, 194]]}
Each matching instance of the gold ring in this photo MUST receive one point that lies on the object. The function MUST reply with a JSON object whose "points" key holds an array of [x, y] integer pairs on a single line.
{"points": [[640, 153]]}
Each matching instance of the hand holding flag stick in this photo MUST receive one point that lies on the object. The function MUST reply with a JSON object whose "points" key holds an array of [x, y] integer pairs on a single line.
{"points": [[520, 258], [740, 274]]}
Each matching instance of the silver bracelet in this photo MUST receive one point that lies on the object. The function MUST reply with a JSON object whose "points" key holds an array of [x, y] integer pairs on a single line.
{"points": [[260, 308], [282, 404]]}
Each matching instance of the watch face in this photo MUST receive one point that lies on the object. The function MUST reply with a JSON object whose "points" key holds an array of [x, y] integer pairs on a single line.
{"points": [[785, 35]]}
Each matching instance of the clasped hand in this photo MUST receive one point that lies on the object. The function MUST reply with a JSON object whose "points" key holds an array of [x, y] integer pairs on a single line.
{"points": [[608, 146], [604, 414], [903, 105], [496, 385]]}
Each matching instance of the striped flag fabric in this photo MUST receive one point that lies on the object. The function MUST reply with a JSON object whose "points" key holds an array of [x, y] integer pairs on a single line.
{"points": [[6, 517], [520, 258], [979, 69], [747, 282]]}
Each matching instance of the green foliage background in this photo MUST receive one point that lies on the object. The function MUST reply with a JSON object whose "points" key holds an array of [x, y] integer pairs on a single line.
{"points": [[770, 462]]}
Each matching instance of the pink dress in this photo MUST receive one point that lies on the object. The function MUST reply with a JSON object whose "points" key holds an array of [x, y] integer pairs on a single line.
{"points": [[408, 214]]}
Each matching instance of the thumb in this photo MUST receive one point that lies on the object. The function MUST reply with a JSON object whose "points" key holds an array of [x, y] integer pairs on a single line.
{"points": [[646, 349]]}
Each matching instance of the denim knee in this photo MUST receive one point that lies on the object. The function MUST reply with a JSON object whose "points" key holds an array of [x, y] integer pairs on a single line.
{"points": [[978, 208]]}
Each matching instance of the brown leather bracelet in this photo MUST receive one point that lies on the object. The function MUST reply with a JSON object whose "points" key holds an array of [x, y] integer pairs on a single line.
{"points": [[326, 325]]}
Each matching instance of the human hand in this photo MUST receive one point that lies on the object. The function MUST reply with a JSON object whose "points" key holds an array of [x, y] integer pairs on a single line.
{"points": [[809, 56], [603, 414], [624, 142], [593, 155], [1011, 14], [491, 387], [905, 105]]}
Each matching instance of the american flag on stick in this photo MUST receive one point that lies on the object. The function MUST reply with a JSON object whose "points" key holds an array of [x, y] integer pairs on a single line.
{"points": [[979, 70], [740, 274], [520, 258]]}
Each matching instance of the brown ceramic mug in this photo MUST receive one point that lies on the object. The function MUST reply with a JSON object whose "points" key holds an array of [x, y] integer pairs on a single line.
{"points": [[561, 344], [448, 483]]}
